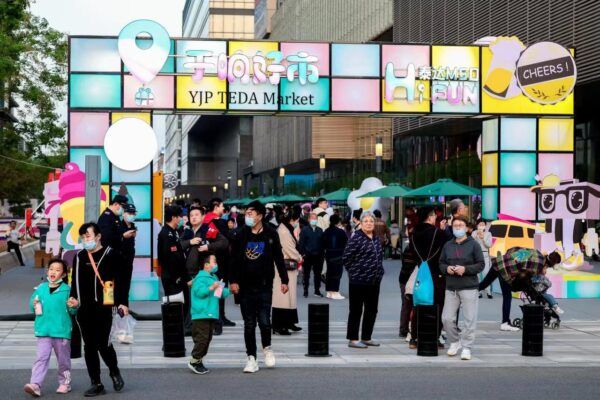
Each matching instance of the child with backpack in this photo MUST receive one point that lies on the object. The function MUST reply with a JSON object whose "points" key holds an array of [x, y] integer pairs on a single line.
{"points": [[53, 308]]}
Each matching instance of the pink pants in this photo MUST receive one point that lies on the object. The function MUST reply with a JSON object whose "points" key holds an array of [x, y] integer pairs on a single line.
{"points": [[62, 349]]}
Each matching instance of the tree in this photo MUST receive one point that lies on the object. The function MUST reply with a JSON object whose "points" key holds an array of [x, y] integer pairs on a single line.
{"points": [[33, 71]]}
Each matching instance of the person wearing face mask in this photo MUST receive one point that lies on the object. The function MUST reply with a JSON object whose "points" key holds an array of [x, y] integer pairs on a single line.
{"points": [[255, 249], [484, 238], [311, 248], [96, 270], [334, 243], [111, 226], [128, 255], [174, 275], [285, 309], [461, 262]]}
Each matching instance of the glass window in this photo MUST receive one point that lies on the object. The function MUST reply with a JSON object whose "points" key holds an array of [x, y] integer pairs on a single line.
{"points": [[515, 232], [531, 233], [498, 231]]}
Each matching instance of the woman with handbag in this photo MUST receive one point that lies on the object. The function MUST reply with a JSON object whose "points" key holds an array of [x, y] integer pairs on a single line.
{"points": [[98, 286], [285, 312]]}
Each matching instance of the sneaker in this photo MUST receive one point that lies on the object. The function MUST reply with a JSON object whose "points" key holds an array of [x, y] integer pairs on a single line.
{"points": [[63, 389], [558, 310], [198, 368], [33, 389], [269, 357], [412, 344], [95, 390], [453, 350], [328, 295], [295, 328], [228, 323], [218, 331], [506, 327], [490, 296], [355, 344], [118, 382], [371, 343], [251, 365], [282, 332], [407, 339], [337, 296], [318, 294], [465, 354]]}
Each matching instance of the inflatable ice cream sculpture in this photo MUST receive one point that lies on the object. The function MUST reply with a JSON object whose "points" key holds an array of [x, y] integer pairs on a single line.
{"points": [[369, 203], [71, 190], [569, 207]]}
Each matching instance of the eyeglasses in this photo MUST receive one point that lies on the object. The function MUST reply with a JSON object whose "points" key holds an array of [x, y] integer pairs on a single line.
{"points": [[576, 198]]}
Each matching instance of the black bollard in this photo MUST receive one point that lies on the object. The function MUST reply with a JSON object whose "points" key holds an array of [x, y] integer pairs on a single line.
{"points": [[318, 330], [427, 331], [172, 325], [533, 330], [75, 340]]}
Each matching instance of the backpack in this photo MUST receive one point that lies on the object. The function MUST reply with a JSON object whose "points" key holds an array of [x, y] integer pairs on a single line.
{"points": [[423, 288]]}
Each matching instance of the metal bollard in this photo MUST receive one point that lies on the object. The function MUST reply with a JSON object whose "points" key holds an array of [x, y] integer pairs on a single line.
{"points": [[172, 326], [427, 331], [318, 330], [533, 330]]}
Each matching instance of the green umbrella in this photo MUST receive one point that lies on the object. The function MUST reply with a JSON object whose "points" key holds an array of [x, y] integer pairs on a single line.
{"points": [[391, 190], [339, 195], [443, 187], [291, 198], [230, 201], [267, 199]]}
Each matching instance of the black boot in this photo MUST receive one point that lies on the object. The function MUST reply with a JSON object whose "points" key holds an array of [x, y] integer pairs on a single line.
{"points": [[95, 390], [227, 322], [118, 382], [218, 329], [295, 328], [282, 332]]}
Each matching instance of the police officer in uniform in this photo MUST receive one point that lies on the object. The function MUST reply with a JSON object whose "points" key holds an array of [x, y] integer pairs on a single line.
{"points": [[110, 224], [128, 245], [174, 275]]}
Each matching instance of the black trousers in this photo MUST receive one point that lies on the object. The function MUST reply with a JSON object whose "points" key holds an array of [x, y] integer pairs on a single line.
{"points": [[17, 249], [334, 274], [255, 305], [202, 333], [405, 311], [170, 287], [95, 322], [506, 292], [364, 300], [314, 263]]}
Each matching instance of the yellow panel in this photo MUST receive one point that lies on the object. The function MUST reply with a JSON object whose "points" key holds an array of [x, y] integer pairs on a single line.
{"points": [[489, 169], [519, 104], [454, 56], [556, 134], [144, 116], [251, 48], [403, 105], [196, 95]]}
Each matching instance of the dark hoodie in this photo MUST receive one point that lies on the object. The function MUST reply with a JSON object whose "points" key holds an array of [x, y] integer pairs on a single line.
{"points": [[428, 242]]}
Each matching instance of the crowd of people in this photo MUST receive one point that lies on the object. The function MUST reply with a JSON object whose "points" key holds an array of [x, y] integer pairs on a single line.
{"points": [[259, 255]]}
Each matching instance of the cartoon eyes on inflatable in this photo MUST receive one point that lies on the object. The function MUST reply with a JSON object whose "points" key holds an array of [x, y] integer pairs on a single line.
{"points": [[577, 199]]}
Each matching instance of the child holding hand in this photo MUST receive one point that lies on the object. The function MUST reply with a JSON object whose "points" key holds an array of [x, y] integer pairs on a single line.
{"points": [[53, 308], [205, 294]]}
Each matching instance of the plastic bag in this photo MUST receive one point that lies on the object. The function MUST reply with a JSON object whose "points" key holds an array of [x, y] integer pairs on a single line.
{"points": [[410, 284], [122, 328], [423, 290]]}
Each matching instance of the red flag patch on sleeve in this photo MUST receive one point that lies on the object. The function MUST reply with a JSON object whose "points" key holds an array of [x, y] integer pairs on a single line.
{"points": [[173, 248]]}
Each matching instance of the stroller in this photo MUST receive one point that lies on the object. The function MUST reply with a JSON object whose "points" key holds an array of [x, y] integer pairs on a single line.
{"points": [[517, 267]]}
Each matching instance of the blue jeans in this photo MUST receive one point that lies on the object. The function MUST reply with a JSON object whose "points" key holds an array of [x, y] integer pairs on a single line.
{"points": [[255, 305], [550, 299]]}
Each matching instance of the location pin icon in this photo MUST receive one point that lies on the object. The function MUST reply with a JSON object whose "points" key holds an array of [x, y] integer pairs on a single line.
{"points": [[144, 64]]}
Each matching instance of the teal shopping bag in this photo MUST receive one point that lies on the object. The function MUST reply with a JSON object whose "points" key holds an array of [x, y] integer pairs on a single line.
{"points": [[423, 291]]}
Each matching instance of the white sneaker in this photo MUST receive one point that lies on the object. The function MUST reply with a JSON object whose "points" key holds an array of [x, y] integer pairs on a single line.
{"points": [[407, 337], [506, 327], [453, 350], [251, 365], [337, 296], [558, 310], [269, 357], [465, 354], [329, 296]]}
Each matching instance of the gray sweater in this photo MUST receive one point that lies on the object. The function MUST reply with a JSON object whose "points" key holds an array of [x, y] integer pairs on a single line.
{"points": [[467, 254]]}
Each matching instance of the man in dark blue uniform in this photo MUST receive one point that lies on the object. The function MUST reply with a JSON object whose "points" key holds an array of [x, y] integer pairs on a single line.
{"points": [[128, 245], [110, 224]]}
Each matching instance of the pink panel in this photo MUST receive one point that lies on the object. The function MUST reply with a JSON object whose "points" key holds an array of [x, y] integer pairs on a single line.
{"points": [[141, 265], [556, 289], [320, 50], [162, 90], [402, 55], [355, 95], [88, 129], [559, 164], [518, 202]]}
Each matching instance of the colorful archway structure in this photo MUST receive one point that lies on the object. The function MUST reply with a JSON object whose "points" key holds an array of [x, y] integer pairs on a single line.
{"points": [[526, 92]]}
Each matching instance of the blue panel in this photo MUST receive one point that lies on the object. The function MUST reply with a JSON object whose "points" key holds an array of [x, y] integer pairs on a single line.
{"points": [[77, 155], [517, 169], [143, 240], [139, 176], [518, 134], [355, 60], [95, 91], [144, 288], [140, 196], [314, 95], [94, 55], [489, 203]]}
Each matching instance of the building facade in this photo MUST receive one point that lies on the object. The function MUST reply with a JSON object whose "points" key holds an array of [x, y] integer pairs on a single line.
{"points": [[427, 148], [297, 143]]}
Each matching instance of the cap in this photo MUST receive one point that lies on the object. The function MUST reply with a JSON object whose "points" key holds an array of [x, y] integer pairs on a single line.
{"points": [[120, 199], [130, 208], [269, 206]]}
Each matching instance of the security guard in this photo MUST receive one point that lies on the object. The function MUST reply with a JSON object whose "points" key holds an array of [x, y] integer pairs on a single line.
{"points": [[110, 224], [174, 275], [128, 245]]}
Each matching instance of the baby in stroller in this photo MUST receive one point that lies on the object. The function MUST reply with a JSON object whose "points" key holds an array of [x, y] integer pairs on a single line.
{"points": [[525, 270]]}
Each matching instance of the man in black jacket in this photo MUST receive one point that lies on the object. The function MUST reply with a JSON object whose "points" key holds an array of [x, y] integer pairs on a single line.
{"points": [[174, 275], [110, 224], [311, 248], [256, 248]]}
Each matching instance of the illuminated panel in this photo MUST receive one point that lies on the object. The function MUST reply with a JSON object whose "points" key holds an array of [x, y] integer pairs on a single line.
{"points": [[95, 91], [517, 169], [490, 135], [318, 50], [489, 203], [263, 96], [518, 133], [192, 46], [518, 202], [560, 164], [139, 176], [156, 94], [489, 169], [356, 60], [459, 93], [315, 96], [94, 55], [144, 116], [140, 195], [87, 129], [77, 156], [355, 95], [195, 95], [556, 134]]}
